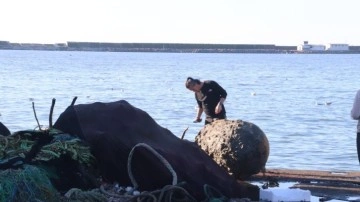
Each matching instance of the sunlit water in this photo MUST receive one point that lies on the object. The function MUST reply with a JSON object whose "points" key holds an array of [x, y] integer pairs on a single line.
{"points": [[284, 94]]}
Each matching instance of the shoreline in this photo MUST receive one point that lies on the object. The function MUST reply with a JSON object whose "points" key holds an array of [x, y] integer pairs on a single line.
{"points": [[168, 48]]}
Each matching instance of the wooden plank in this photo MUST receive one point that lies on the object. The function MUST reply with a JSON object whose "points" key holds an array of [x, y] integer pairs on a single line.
{"points": [[284, 174], [325, 184]]}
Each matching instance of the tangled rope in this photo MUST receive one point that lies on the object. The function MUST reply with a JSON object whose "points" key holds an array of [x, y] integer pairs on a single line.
{"points": [[80, 195], [169, 193], [161, 158]]}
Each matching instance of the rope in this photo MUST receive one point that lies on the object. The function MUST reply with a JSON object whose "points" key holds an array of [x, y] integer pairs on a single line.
{"points": [[116, 195], [79, 195], [166, 194], [162, 159]]}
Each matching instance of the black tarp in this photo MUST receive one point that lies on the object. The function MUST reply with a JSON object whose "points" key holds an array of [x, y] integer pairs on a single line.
{"points": [[113, 129]]}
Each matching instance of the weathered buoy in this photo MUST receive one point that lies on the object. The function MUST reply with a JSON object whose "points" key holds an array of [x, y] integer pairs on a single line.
{"points": [[240, 147]]}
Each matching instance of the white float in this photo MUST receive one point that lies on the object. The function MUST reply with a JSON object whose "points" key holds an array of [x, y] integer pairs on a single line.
{"points": [[281, 194]]}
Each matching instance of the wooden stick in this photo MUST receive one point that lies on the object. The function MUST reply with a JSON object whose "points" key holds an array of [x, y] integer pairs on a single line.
{"points": [[73, 102], [33, 105], [182, 137], [51, 112]]}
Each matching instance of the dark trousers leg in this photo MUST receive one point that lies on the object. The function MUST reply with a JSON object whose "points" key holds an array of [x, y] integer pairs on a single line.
{"points": [[358, 145]]}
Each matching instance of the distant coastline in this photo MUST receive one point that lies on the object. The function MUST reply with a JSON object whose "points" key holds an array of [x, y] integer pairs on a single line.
{"points": [[168, 48]]}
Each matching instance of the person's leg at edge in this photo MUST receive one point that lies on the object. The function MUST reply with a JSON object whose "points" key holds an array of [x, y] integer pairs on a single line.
{"points": [[358, 145]]}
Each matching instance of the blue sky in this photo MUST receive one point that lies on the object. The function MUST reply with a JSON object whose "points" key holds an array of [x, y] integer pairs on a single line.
{"points": [[279, 22]]}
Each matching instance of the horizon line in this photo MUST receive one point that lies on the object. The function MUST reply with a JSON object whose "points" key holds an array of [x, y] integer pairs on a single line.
{"points": [[40, 43]]}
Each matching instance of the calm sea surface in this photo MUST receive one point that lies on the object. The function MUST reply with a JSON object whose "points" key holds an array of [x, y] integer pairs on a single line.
{"points": [[283, 94]]}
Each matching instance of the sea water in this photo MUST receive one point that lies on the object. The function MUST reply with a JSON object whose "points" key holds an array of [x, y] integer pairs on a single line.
{"points": [[302, 102]]}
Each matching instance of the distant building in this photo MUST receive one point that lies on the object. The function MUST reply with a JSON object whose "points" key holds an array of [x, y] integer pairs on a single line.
{"points": [[319, 47], [337, 47], [310, 47]]}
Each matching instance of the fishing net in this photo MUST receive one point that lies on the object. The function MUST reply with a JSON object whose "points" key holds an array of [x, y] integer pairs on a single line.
{"points": [[36, 165], [51, 145], [27, 184]]}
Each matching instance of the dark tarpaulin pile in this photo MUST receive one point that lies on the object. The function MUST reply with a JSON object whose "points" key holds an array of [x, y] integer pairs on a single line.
{"points": [[113, 129]]}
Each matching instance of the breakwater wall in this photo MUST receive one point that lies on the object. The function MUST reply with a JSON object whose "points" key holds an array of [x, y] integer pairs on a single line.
{"points": [[177, 47], [162, 47]]}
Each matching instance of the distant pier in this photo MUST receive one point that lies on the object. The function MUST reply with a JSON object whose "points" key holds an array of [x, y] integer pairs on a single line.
{"points": [[168, 48]]}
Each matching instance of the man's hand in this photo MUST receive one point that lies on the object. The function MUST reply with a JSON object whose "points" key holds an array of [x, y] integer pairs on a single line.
{"points": [[218, 108], [197, 120]]}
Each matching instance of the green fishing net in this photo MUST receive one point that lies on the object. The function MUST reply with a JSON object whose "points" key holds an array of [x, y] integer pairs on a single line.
{"points": [[26, 184], [27, 159]]}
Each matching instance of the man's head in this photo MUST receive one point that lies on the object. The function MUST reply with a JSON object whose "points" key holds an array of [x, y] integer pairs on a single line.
{"points": [[193, 84]]}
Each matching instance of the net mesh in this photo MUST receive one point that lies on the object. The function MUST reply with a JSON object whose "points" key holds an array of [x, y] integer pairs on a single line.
{"points": [[26, 184]]}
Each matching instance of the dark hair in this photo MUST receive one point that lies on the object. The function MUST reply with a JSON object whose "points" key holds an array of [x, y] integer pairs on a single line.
{"points": [[190, 82]]}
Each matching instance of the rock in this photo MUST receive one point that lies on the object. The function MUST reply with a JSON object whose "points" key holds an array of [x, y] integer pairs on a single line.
{"points": [[113, 129], [240, 147]]}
